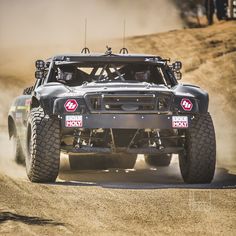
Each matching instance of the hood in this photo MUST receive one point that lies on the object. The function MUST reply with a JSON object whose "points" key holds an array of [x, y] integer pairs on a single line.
{"points": [[116, 87]]}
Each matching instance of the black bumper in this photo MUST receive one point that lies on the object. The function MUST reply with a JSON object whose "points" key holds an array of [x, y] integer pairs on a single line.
{"points": [[123, 121], [86, 149]]}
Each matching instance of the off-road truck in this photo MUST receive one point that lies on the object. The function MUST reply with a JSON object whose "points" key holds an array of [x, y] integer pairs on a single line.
{"points": [[105, 109]]}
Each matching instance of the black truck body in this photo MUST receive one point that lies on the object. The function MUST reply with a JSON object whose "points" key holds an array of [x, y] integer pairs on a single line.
{"points": [[107, 104]]}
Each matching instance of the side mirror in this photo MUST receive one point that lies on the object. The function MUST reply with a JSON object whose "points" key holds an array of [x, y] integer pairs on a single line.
{"points": [[40, 64], [177, 66], [39, 74]]}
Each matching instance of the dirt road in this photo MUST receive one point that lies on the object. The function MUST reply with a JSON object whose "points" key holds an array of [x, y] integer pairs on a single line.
{"points": [[142, 201]]}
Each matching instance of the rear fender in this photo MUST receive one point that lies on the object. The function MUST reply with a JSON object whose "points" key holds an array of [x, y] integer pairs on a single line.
{"points": [[11, 127]]}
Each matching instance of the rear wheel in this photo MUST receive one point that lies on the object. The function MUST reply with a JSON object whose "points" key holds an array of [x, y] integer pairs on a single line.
{"points": [[123, 161], [197, 164], [91, 162], [17, 150], [97, 162], [157, 161], [43, 143]]}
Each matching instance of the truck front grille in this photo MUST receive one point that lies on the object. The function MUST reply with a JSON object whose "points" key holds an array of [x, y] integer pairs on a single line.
{"points": [[128, 103]]}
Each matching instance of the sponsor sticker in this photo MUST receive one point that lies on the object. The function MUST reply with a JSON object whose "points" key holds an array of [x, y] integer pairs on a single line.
{"points": [[179, 121], [71, 105], [186, 104], [74, 121], [27, 102]]}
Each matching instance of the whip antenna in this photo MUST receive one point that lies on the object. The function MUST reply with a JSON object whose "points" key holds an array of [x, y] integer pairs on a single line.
{"points": [[124, 25], [124, 50], [85, 33], [85, 50]]}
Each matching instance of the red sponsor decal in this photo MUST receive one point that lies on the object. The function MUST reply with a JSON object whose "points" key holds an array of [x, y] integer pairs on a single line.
{"points": [[186, 104], [71, 105]]}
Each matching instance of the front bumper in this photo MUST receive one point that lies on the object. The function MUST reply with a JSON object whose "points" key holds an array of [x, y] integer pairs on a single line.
{"points": [[151, 150], [123, 121]]}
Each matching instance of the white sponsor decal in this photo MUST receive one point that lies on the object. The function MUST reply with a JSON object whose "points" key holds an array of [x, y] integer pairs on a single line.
{"points": [[74, 121], [179, 121]]}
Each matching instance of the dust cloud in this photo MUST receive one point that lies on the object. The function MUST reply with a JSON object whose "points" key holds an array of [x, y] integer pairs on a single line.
{"points": [[61, 23], [30, 30], [7, 162]]}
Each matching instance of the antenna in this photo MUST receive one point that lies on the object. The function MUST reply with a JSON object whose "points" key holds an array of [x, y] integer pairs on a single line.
{"points": [[85, 50], [124, 50], [85, 32], [124, 26]]}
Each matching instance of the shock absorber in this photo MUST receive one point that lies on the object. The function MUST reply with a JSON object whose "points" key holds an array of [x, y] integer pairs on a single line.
{"points": [[159, 143], [77, 140]]}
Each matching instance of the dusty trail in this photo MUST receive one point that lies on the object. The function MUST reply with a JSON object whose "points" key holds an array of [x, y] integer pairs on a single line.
{"points": [[120, 202], [142, 201], [135, 202]]}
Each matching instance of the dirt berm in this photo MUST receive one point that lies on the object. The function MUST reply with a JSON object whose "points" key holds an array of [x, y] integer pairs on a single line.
{"points": [[143, 201]]}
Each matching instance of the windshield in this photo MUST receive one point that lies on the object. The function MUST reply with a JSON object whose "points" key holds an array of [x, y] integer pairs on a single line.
{"points": [[77, 74]]}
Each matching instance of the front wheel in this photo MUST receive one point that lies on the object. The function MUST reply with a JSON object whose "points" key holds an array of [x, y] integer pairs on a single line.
{"points": [[43, 144], [197, 164]]}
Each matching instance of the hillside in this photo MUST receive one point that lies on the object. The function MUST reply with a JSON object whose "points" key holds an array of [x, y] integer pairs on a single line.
{"points": [[209, 59]]}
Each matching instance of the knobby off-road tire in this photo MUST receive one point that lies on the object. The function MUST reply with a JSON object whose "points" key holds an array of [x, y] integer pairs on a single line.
{"points": [[197, 165], [18, 154], [157, 161], [43, 141]]}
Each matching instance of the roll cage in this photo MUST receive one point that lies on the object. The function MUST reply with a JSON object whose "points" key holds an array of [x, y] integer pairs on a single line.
{"points": [[109, 68]]}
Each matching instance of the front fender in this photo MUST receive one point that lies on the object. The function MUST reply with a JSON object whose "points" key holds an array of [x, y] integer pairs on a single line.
{"points": [[199, 95], [45, 95]]}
